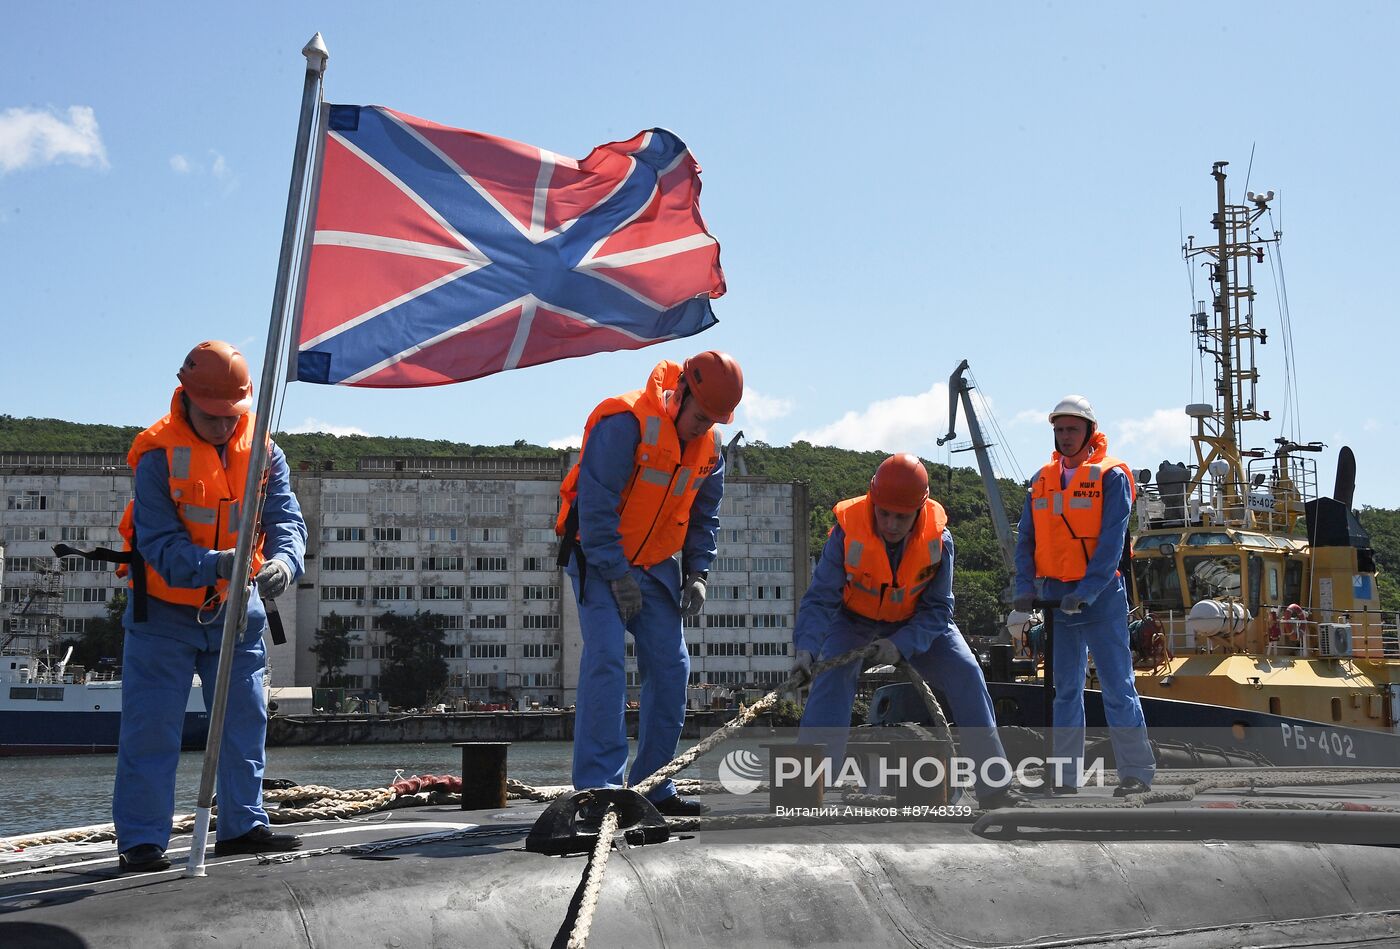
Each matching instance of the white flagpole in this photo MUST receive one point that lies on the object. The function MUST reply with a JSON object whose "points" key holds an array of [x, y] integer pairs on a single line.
{"points": [[236, 604]]}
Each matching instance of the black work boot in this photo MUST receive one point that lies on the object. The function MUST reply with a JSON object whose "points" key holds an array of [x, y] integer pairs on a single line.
{"points": [[143, 858], [677, 806], [258, 840]]}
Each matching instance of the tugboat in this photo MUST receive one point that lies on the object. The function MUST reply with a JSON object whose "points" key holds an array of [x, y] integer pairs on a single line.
{"points": [[1256, 620], [1251, 592]]}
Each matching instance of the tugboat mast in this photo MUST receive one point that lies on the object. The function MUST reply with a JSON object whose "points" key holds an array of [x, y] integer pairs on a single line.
{"points": [[1230, 339]]}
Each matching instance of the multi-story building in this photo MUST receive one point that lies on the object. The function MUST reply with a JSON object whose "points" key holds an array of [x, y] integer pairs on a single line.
{"points": [[470, 539]]}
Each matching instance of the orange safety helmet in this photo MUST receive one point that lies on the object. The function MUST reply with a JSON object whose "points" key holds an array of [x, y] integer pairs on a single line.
{"points": [[900, 484], [216, 378], [716, 381]]}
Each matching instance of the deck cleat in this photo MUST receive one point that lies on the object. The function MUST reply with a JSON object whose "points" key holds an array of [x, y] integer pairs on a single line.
{"points": [[570, 824]]}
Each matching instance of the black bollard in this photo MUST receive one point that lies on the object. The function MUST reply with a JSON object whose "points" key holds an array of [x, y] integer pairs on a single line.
{"points": [[483, 774]]}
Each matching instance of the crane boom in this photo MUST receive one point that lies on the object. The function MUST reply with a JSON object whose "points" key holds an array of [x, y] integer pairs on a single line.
{"points": [[959, 388]]}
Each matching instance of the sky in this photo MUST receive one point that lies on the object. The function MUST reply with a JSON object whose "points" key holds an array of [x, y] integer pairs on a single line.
{"points": [[894, 190]]}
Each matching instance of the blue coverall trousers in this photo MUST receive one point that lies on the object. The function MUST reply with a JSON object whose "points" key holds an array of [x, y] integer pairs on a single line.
{"points": [[948, 665], [157, 671], [1101, 630], [600, 724]]}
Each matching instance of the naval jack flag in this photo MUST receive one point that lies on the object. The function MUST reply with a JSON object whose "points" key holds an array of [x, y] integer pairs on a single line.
{"points": [[440, 255]]}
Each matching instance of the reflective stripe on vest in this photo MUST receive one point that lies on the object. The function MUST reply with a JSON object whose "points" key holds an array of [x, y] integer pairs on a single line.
{"points": [[1067, 534], [206, 489], [872, 590], [654, 513]]}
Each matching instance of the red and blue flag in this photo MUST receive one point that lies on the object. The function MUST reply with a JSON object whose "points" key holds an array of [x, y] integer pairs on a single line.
{"points": [[440, 255]]}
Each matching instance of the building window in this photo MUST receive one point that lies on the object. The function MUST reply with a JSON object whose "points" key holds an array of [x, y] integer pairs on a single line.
{"points": [[342, 563], [394, 593], [490, 535], [770, 621], [488, 650], [729, 564], [84, 595], [770, 592], [393, 563], [345, 502], [770, 649], [389, 533], [539, 622], [442, 593], [538, 679], [726, 649], [442, 563], [772, 564], [342, 593], [395, 504], [725, 620], [543, 650], [489, 591], [25, 532], [540, 592], [331, 534], [535, 563], [723, 591], [488, 621], [27, 501], [490, 564], [441, 504], [440, 534]]}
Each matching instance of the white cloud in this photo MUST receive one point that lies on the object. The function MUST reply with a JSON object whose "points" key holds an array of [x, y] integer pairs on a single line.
{"points": [[215, 167], [1372, 425], [764, 408], [1029, 417], [903, 423], [756, 409], [314, 425], [30, 137], [568, 441], [1166, 433]]}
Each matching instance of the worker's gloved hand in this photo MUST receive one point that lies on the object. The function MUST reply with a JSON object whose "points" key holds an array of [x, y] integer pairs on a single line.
{"points": [[802, 665], [886, 653], [1023, 603], [628, 594], [1073, 603], [273, 579], [692, 594], [223, 567]]}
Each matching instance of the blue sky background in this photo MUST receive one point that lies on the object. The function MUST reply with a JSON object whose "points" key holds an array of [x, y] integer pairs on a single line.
{"points": [[894, 190]]}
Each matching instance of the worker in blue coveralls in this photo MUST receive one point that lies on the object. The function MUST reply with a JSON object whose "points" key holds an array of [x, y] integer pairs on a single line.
{"points": [[182, 526], [647, 487], [886, 578], [1072, 534]]}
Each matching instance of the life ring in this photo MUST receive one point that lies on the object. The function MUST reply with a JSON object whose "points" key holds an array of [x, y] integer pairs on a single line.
{"points": [[1293, 622]]}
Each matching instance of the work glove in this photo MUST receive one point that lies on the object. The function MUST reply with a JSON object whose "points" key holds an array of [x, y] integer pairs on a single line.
{"points": [[273, 579], [886, 653], [628, 594], [692, 594], [1073, 603], [1023, 603], [223, 567], [802, 665]]}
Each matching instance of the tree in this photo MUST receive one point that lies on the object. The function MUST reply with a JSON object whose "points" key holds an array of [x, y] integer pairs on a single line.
{"points": [[101, 641], [332, 649], [415, 667]]}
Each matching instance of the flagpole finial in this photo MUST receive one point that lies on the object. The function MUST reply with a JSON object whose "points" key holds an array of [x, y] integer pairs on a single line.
{"points": [[316, 54]]}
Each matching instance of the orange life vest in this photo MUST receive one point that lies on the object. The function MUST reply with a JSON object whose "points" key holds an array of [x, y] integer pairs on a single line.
{"points": [[655, 508], [1067, 520], [872, 590], [207, 493]]}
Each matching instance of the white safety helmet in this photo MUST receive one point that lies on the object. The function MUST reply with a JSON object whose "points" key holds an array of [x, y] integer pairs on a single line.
{"points": [[1077, 406]]}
